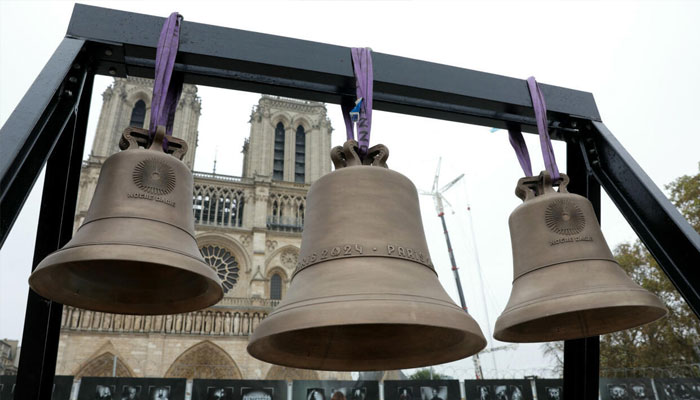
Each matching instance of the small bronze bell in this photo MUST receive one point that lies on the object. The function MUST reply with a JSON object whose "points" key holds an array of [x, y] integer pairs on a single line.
{"points": [[365, 295], [566, 283], [135, 253]]}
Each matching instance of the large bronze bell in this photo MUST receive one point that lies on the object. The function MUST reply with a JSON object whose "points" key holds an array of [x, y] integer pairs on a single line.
{"points": [[365, 295], [135, 253], [566, 282]]}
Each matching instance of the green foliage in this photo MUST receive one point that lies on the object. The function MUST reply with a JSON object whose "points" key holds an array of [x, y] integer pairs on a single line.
{"points": [[424, 374], [685, 194], [669, 347]]}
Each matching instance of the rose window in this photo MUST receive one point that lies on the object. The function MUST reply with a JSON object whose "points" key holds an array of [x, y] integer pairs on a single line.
{"points": [[224, 263]]}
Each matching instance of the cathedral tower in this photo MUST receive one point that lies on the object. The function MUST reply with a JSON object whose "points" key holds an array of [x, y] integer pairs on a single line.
{"points": [[289, 140]]}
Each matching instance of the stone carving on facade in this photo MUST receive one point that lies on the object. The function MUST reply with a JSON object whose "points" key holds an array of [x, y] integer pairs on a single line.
{"points": [[271, 245], [280, 373], [103, 366], [205, 360], [246, 240], [234, 323], [289, 257], [296, 105]]}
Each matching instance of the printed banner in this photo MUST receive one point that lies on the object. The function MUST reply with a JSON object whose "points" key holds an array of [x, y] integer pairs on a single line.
{"points": [[62, 386], [422, 390], [335, 390], [228, 389], [498, 389], [677, 388], [550, 389], [97, 388]]}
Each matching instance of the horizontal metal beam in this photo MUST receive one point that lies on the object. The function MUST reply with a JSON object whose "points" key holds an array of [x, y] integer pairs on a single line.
{"points": [[669, 237], [250, 61]]}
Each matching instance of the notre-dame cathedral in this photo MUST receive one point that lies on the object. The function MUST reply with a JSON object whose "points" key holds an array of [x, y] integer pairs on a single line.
{"points": [[248, 229]]}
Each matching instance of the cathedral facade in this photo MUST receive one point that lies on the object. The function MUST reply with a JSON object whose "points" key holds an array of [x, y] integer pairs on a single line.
{"points": [[248, 229]]}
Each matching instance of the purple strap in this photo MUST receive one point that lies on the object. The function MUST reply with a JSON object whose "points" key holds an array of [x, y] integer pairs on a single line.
{"points": [[166, 94], [346, 106], [518, 143], [541, 116], [364, 80]]}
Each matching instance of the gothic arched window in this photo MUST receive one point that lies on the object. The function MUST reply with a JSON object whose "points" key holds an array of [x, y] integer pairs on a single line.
{"points": [[276, 287], [299, 153], [138, 114], [278, 161]]}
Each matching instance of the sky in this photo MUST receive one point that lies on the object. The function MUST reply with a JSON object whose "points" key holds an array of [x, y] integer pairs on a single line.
{"points": [[639, 59]]}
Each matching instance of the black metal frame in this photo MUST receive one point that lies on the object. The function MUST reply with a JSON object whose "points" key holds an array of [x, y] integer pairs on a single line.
{"points": [[48, 127]]}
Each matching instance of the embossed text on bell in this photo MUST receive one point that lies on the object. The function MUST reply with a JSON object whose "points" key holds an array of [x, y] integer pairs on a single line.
{"points": [[365, 295], [566, 282], [135, 253]]}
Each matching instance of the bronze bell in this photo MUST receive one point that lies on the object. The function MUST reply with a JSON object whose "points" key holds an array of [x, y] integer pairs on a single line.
{"points": [[364, 295], [135, 253], [566, 283]]}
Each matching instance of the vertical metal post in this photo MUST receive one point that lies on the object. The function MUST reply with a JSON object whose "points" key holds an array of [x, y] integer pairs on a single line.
{"points": [[42, 323], [581, 356]]}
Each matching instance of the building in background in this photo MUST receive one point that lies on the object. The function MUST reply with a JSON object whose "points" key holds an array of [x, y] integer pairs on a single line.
{"points": [[9, 356], [248, 229]]}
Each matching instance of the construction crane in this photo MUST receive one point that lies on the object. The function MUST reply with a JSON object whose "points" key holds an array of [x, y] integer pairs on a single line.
{"points": [[437, 194]]}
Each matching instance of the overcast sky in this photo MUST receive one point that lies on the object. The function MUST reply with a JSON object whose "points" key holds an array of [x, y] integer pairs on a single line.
{"points": [[639, 59]]}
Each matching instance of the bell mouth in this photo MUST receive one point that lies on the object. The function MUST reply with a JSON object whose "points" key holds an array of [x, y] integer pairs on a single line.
{"points": [[631, 308], [335, 318], [366, 347], [101, 278]]}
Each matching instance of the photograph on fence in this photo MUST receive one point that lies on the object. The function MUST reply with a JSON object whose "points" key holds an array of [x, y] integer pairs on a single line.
{"points": [[235, 389], [422, 390], [500, 389], [549, 389], [626, 389], [108, 388], [678, 388], [335, 390]]}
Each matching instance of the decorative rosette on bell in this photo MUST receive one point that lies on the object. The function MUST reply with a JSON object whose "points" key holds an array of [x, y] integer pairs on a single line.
{"points": [[566, 282], [365, 295], [135, 252]]}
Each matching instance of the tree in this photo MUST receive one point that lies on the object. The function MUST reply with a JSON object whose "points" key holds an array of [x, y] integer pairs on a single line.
{"points": [[426, 374], [669, 347]]}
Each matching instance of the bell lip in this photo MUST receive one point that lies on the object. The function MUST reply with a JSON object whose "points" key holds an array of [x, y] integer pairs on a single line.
{"points": [[647, 305], [41, 280], [472, 344], [287, 323]]}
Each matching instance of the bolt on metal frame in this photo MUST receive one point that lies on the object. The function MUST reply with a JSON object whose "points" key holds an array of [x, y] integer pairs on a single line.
{"points": [[49, 126]]}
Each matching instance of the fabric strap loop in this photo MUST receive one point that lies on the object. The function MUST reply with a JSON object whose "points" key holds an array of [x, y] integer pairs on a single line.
{"points": [[362, 109], [166, 86], [518, 142], [516, 137]]}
